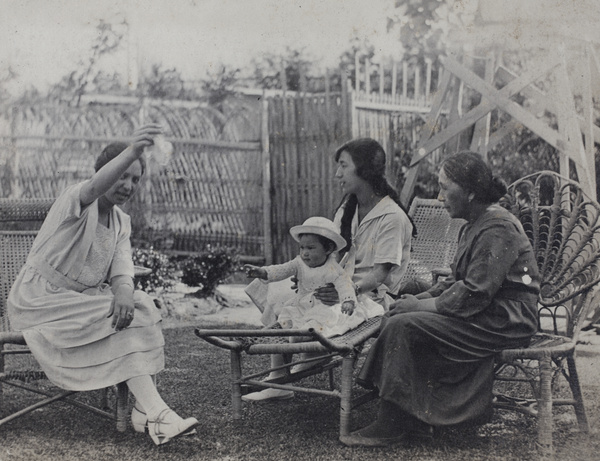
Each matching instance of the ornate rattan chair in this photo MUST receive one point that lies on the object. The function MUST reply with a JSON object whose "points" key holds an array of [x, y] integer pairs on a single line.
{"points": [[19, 221], [434, 247], [563, 225]]}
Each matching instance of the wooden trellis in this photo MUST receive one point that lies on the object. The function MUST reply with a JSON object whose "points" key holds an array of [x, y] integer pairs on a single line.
{"points": [[572, 72]]}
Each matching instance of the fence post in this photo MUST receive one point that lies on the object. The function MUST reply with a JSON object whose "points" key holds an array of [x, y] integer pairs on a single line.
{"points": [[266, 181], [12, 161]]}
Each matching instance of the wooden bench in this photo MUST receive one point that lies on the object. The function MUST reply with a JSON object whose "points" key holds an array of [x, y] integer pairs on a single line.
{"points": [[19, 221], [563, 226], [433, 247]]}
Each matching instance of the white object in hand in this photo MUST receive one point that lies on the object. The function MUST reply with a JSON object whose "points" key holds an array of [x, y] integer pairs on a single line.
{"points": [[161, 150]]}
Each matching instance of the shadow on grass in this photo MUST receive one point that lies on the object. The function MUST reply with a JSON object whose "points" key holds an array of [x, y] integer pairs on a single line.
{"points": [[196, 383]]}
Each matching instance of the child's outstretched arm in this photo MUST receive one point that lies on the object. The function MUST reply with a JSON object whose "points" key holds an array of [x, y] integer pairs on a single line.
{"points": [[255, 271]]}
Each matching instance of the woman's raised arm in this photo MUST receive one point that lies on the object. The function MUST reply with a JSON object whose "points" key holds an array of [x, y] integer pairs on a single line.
{"points": [[104, 178]]}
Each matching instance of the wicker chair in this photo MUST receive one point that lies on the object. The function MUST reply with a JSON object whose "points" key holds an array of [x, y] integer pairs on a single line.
{"points": [[563, 225], [433, 247], [23, 218]]}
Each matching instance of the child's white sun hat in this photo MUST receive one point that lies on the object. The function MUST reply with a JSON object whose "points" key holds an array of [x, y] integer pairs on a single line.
{"points": [[320, 226]]}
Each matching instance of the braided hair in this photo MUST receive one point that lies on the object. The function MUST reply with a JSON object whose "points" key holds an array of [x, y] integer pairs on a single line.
{"points": [[369, 159]]}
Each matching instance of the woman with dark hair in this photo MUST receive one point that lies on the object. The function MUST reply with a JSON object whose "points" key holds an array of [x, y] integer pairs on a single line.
{"points": [[373, 222], [433, 360], [377, 231], [74, 299]]}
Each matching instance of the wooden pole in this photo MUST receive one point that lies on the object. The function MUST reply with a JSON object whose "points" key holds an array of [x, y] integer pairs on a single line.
{"points": [[12, 165], [356, 73], [570, 142], [367, 76], [429, 129], [282, 77], [394, 82], [381, 79], [588, 115], [266, 181], [404, 79], [481, 134], [427, 79]]}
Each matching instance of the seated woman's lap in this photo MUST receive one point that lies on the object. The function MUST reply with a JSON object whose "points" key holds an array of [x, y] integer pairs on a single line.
{"points": [[453, 338]]}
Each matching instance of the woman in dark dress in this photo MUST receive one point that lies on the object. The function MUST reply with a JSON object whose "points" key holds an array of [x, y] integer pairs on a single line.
{"points": [[433, 360]]}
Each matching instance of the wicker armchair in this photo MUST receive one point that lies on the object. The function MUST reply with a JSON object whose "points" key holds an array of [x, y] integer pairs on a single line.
{"points": [[19, 220], [563, 225], [434, 247]]}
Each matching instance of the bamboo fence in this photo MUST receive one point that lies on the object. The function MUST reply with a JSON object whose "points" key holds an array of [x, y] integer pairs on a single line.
{"points": [[217, 189], [389, 104], [206, 195], [304, 132]]}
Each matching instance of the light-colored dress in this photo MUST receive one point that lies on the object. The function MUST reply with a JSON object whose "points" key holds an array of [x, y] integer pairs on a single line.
{"points": [[383, 236], [302, 310], [61, 301]]}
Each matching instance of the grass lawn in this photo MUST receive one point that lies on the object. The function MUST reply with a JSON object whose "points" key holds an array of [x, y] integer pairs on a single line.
{"points": [[196, 383]]}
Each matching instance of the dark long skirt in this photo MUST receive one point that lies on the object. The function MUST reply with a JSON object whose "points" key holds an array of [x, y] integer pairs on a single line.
{"points": [[437, 368]]}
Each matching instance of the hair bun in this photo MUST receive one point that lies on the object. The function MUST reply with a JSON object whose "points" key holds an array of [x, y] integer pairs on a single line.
{"points": [[498, 189]]}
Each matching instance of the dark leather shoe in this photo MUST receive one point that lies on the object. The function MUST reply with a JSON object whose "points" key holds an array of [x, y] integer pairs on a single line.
{"points": [[355, 439], [425, 433]]}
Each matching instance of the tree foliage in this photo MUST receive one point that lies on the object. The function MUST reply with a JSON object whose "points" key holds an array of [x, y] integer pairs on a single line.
{"points": [[161, 83], [272, 70], [88, 75]]}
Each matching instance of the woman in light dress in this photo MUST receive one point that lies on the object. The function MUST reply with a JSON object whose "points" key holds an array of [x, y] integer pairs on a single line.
{"points": [[74, 300]]}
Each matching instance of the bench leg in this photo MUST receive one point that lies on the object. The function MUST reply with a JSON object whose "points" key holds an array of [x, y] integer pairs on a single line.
{"points": [[1, 371], [346, 390], [236, 389], [122, 406], [544, 419], [577, 395]]}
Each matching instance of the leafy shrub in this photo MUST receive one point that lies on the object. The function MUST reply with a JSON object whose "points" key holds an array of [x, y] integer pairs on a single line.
{"points": [[208, 269], [162, 269]]}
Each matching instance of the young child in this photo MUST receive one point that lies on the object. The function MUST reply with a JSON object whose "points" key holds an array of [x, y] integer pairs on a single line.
{"points": [[315, 266]]}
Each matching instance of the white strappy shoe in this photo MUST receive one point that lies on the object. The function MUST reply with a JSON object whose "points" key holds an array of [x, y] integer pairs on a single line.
{"points": [[168, 426], [139, 421]]}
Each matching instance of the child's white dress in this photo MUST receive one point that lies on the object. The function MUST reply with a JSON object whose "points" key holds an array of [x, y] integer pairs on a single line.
{"points": [[302, 310]]}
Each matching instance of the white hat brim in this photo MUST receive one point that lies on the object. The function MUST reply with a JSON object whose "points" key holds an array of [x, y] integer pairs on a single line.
{"points": [[340, 242]]}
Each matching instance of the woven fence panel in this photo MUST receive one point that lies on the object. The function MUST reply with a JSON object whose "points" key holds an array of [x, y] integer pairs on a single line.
{"points": [[304, 132], [205, 195]]}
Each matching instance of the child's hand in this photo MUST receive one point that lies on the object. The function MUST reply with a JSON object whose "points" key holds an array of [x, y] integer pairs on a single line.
{"points": [[348, 307], [255, 271]]}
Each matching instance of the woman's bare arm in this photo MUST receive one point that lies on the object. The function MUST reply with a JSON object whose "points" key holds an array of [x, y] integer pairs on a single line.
{"points": [[103, 179]]}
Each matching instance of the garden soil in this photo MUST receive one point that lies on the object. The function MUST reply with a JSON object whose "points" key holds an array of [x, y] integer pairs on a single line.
{"points": [[229, 306]]}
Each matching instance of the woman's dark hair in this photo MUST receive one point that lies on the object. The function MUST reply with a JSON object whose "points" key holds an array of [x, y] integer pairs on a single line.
{"points": [[328, 244], [111, 151], [369, 159], [469, 171]]}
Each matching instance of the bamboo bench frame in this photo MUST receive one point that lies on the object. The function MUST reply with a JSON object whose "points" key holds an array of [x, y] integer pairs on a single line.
{"points": [[434, 247], [563, 225]]}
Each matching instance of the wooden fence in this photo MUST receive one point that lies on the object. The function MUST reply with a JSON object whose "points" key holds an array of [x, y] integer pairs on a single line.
{"points": [[207, 194], [389, 104], [304, 132], [219, 191]]}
